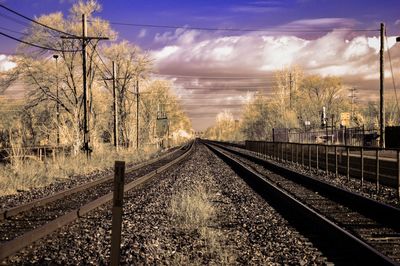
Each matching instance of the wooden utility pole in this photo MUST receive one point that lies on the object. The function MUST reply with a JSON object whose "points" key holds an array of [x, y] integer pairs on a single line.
{"points": [[85, 39], [137, 113], [115, 105], [58, 103], [353, 97], [382, 91], [290, 90], [86, 135]]}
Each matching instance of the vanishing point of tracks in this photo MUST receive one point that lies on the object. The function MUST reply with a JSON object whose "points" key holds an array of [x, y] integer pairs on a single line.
{"points": [[22, 225], [349, 228]]}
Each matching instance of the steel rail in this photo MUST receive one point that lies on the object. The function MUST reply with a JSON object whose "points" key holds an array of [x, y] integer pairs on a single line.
{"points": [[9, 248], [285, 202], [8, 213], [374, 209]]}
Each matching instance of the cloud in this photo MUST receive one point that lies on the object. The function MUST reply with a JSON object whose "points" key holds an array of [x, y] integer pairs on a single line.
{"points": [[179, 36], [354, 58], [6, 63], [142, 33], [264, 6], [328, 23], [255, 9], [336, 51]]}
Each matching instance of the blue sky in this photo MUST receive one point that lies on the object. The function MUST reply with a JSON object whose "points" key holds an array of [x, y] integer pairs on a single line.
{"points": [[217, 14], [341, 50]]}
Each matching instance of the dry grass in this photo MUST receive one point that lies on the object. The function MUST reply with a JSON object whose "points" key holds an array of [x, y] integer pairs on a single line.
{"points": [[24, 174], [192, 210]]}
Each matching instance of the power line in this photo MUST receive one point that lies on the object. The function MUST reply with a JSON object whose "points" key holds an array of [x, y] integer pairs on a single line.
{"points": [[233, 87], [36, 45], [282, 29], [208, 77], [34, 21], [25, 24], [22, 33], [13, 31], [101, 59]]}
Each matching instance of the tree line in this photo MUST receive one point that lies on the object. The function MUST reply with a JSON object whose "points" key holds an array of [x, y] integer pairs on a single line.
{"points": [[51, 82], [297, 102]]}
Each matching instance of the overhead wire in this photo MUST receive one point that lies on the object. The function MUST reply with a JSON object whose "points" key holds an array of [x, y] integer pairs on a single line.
{"points": [[34, 21], [37, 45], [278, 29], [25, 24], [13, 31], [208, 77], [101, 59]]}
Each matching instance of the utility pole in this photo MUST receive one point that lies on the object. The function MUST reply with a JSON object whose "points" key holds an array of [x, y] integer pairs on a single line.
{"points": [[290, 90], [58, 103], [382, 92], [137, 113], [86, 135], [115, 106], [352, 96], [85, 39]]}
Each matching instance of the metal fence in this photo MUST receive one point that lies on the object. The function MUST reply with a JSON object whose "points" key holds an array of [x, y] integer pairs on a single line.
{"points": [[375, 164], [357, 136]]}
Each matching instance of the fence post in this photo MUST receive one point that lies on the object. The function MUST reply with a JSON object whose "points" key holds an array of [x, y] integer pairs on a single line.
{"points": [[377, 171], [273, 150], [291, 151], [302, 154], [118, 196], [297, 153], [398, 174], [309, 157], [362, 167], [265, 149], [336, 163], [348, 164], [326, 160], [317, 158], [285, 153]]}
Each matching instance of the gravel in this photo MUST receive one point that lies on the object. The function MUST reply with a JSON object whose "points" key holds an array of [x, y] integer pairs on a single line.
{"points": [[22, 197], [386, 194], [243, 228]]}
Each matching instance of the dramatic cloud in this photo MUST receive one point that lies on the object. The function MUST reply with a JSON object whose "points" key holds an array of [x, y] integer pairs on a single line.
{"points": [[331, 54], [194, 53], [6, 63]]}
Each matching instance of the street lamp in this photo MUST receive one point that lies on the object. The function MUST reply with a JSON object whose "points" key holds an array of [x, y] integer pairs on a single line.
{"points": [[57, 103]]}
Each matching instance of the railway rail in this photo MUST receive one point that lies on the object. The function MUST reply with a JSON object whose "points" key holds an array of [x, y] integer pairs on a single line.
{"points": [[346, 225], [20, 226], [381, 166]]}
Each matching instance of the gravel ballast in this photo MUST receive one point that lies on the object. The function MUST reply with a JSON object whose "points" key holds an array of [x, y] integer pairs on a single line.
{"points": [[237, 226]]}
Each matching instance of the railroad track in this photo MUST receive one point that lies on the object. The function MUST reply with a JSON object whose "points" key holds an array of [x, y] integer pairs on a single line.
{"points": [[348, 227], [22, 225], [364, 163]]}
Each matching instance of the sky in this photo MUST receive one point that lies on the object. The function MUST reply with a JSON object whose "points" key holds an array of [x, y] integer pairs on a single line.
{"points": [[216, 70]]}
